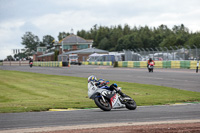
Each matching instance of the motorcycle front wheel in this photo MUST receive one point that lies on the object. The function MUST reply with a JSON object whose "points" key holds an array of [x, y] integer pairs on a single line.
{"points": [[105, 106], [131, 105]]}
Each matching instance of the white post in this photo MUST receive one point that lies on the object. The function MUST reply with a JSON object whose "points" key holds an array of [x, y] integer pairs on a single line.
{"points": [[197, 66], [62, 44]]}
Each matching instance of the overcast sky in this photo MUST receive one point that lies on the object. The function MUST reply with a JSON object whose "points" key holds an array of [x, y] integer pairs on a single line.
{"points": [[49, 17]]}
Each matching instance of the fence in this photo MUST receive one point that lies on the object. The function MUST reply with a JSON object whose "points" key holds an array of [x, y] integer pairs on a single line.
{"points": [[162, 54], [35, 63], [15, 63]]}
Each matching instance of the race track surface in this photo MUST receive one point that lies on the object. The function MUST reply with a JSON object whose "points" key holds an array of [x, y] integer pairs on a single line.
{"points": [[97, 116], [185, 79]]}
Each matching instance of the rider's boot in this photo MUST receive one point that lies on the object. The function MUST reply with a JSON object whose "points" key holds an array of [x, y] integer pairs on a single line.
{"points": [[123, 96]]}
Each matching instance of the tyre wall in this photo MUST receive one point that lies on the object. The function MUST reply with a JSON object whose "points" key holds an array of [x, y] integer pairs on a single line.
{"points": [[106, 63], [48, 63], [158, 64]]}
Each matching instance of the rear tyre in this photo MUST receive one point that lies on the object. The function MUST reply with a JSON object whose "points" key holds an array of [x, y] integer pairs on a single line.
{"points": [[105, 106], [131, 105]]}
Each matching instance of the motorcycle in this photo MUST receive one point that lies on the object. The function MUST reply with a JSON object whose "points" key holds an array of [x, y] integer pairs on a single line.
{"points": [[151, 66], [107, 100], [31, 64]]}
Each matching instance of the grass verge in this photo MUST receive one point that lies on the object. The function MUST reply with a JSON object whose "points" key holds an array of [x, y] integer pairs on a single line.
{"points": [[24, 92]]}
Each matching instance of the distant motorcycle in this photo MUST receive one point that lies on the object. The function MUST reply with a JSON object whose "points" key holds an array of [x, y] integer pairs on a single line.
{"points": [[107, 100], [31, 64], [151, 66]]}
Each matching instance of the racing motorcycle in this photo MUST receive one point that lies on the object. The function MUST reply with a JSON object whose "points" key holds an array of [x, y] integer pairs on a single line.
{"points": [[151, 66], [107, 100], [31, 64]]}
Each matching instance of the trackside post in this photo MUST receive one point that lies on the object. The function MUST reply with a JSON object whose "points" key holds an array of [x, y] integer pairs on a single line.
{"points": [[197, 66]]}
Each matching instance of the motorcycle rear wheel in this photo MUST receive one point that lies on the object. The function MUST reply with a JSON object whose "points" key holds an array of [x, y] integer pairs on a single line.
{"points": [[131, 105], [105, 106]]}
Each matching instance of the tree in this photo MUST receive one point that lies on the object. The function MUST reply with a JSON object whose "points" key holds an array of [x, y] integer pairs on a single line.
{"points": [[62, 35], [93, 33], [126, 30], [131, 41], [115, 34], [20, 55], [48, 41], [56, 53], [194, 40], [104, 44], [101, 34], [82, 34], [30, 41], [10, 58]]}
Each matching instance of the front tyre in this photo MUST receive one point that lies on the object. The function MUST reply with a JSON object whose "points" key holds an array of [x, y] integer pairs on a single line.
{"points": [[105, 106], [131, 105]]}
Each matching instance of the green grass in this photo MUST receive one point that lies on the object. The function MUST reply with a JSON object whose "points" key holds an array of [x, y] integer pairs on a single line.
{"points": [[23, 92]]}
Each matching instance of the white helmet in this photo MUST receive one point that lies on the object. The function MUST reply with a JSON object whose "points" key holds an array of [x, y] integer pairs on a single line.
{"points": [[92, 78]]}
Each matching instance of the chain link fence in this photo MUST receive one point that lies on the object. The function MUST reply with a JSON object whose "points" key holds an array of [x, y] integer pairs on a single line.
{"points": [[160, 54]]}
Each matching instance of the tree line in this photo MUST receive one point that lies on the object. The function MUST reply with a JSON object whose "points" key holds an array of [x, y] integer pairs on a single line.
{"points": [[117, 38]]}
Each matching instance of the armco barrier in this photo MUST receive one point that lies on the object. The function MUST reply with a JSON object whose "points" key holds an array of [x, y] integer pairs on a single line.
{"points": [[48, 63]]}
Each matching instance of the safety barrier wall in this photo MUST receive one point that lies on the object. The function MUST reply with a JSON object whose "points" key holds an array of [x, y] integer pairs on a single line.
{"points": [[15, 63], [48, 63], [158, 64], [106, 63]]}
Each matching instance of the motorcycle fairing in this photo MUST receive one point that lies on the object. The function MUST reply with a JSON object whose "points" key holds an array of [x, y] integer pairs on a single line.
{"points": [[93, 92], [113, 98], [105, 87], [115, 102]]}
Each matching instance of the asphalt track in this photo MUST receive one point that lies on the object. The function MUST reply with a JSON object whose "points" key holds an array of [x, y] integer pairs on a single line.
{"points": [[96, 116], [185, 79], [178, 78]]}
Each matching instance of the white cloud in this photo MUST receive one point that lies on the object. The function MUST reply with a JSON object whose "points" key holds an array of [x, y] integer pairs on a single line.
{"points": [[9, 36]]}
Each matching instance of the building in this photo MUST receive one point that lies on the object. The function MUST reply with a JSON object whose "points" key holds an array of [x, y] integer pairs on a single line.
{"points": [[74, 42], [69, 43], [82, 54], [40, 51]]}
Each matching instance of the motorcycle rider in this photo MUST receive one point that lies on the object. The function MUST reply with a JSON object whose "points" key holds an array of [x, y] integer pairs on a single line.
{"points": [[149, 61], [30, 62], [101, 83]]}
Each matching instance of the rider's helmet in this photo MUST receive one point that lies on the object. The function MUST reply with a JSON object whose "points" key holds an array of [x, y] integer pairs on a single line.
{"points": [[150, 59], [92, 78]]}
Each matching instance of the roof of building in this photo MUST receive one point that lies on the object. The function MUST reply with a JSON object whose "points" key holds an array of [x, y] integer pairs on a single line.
{"points": [[47, 54], [87, 50], [75, 39]]}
